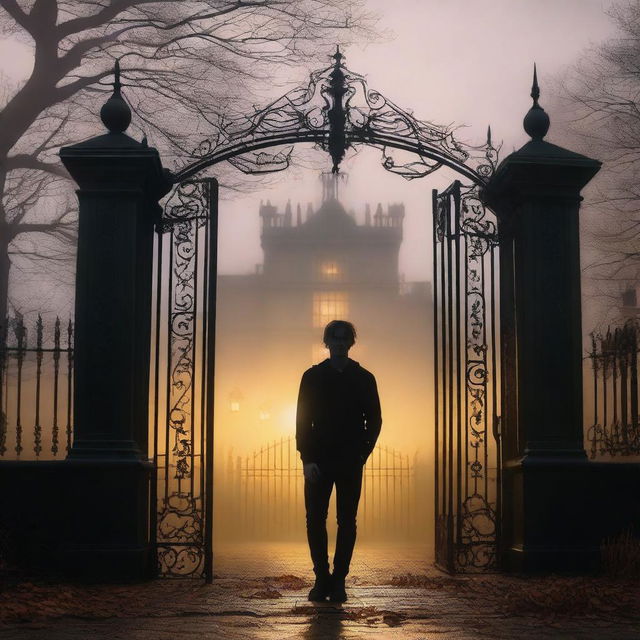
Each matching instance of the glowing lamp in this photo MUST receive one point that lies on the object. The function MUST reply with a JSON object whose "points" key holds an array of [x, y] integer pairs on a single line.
{"points": [[235, 397]]}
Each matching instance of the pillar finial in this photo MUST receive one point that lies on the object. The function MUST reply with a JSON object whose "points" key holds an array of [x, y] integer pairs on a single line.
{"points": [[117, 85], [115, 112], [536, 122], [535, 89]]}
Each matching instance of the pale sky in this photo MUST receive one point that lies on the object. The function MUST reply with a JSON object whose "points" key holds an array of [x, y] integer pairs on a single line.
{"points": [[467, 62]]}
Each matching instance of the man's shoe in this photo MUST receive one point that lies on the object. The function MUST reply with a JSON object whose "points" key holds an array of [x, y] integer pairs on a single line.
{"points": [[337, 592], [321, 588]]}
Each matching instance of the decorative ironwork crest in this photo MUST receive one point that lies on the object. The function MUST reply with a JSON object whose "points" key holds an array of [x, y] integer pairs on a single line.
{"points": [[337, 111]]}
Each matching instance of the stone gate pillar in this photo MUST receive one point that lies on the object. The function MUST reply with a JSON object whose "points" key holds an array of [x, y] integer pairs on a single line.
{"points": [[107, 472], [535, 193]]}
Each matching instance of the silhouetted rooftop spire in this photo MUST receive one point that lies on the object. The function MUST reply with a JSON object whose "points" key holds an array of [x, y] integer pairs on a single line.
{"points": [[536, 122], [115, 112], [287, 214]]}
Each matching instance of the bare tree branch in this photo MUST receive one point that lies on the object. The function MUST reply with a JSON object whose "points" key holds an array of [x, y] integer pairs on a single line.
{"points": [[601, 96], [187, 64]]}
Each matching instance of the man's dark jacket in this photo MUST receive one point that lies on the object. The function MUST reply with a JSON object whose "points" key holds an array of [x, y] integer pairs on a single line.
{"points": [[338, 416]]}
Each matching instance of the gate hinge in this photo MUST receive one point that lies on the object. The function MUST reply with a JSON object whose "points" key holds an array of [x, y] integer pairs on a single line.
{"points": [[497, 427]]}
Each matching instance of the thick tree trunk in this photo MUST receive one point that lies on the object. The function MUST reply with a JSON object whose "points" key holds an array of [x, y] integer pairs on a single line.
{"points": [[4, 299], [5, 266]]}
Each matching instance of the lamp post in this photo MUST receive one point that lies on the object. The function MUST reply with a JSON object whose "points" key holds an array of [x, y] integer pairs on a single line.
{"points": [[235, 400]]}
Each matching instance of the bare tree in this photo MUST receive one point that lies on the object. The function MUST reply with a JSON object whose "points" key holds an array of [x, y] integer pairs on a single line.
{"points": [[186, 64], [601, 109]]}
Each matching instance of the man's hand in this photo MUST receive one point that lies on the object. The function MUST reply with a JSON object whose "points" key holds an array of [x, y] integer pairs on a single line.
{"points": [[311, 471]]}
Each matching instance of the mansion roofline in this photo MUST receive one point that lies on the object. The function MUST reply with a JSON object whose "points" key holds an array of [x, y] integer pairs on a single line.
{"points": [[331, 216]]}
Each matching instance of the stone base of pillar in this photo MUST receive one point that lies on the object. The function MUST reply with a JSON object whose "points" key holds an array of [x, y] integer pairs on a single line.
{"points": [[107, 532], [558, 511], [74, 519], [531, 559], [102, 564], [120, 449]]}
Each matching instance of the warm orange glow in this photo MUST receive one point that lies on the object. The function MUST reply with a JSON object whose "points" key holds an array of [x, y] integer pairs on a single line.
{"points": [[287, 422], [259, 484], [234, 400], [330, 271]]}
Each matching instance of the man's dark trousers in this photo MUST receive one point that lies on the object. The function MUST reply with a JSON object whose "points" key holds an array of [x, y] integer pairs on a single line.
{"points": [[347, 477]]}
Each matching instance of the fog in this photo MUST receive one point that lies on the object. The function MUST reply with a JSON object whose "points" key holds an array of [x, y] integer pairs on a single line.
{"points": [[468, 63], [461, 62], [455, 62]]}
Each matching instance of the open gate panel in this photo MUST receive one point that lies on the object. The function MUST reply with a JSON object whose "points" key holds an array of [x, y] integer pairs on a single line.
{"points": [[182, 384], [467, 394]]}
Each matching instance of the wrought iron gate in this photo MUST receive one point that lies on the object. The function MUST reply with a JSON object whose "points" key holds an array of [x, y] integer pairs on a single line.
{"points": [[337, 111], [467, 389], [263, 495], [182, 389]]}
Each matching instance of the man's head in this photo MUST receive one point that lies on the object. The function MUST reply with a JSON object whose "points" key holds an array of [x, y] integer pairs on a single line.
{"points": [[339, 336]]}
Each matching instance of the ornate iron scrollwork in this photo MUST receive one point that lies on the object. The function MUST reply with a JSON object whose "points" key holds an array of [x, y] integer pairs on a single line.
{"points": [[181, 535], [477, 550], [180, 511], [615, 430], [336, 110], [465, 240]]}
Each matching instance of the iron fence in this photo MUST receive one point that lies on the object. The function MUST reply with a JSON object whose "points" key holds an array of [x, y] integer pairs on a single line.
{"points": [[36, 384], [261, 495], [614, 363]]}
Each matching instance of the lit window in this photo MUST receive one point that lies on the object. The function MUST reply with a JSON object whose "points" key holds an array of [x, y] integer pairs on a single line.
{"points": [[330, 271], [328, 306]]}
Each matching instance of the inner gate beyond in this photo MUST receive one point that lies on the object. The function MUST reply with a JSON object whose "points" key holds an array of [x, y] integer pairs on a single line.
{"points": [[336, 111]]}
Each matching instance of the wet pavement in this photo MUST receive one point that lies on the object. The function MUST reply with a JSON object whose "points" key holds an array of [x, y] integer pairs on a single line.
{"points": [[260, 593]]}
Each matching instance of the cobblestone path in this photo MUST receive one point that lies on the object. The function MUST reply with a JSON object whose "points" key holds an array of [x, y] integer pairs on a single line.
{"points": [[260, 593]]}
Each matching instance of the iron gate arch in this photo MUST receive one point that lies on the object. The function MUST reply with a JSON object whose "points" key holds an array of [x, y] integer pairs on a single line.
{"points": [[323, 112]]}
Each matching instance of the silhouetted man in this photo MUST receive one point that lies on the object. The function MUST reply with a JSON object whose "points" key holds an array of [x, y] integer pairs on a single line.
{"points": [[337, 425]]}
